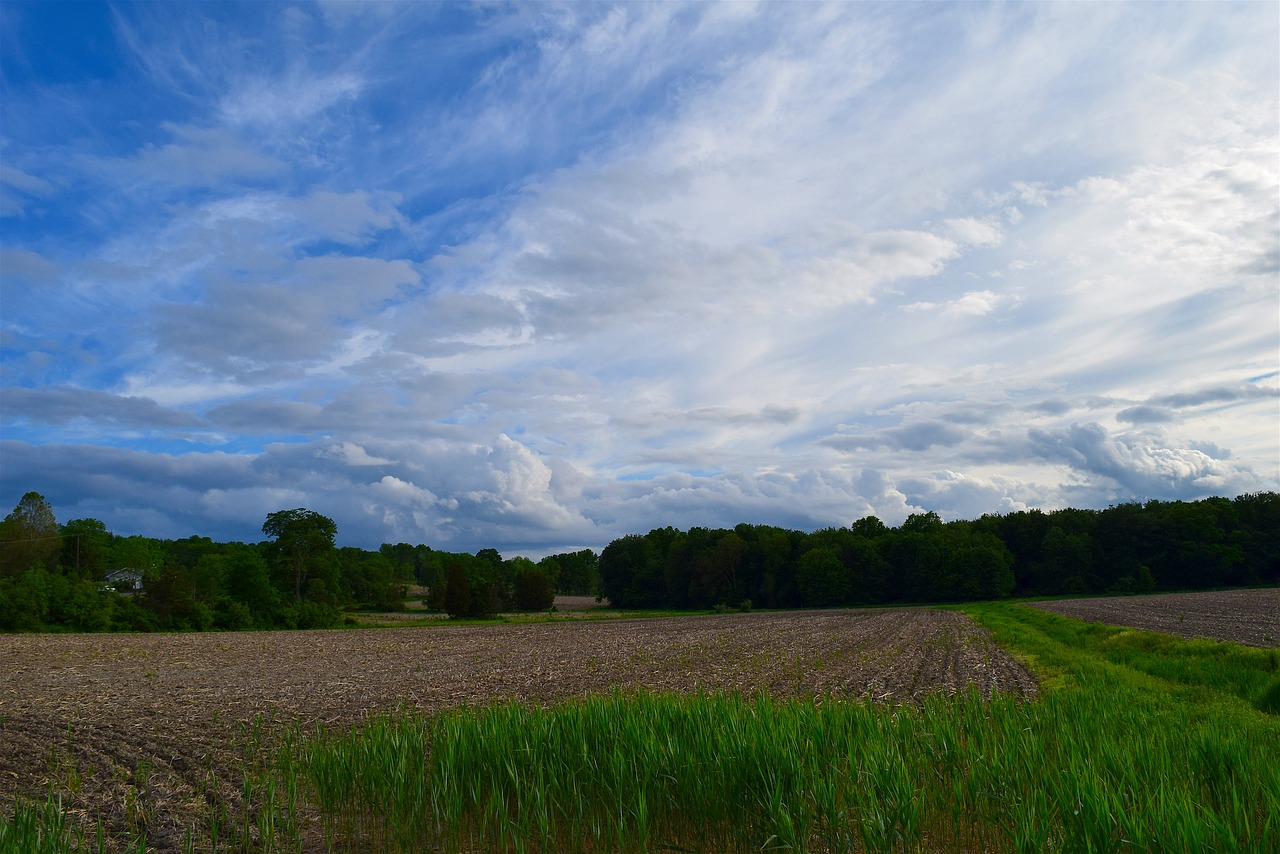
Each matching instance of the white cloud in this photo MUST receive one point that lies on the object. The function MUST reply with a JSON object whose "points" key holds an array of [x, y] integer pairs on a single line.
{"points": [[291, 99], [974, 232], [354, 455], [975, 304], [200, 156], [348, 217]]}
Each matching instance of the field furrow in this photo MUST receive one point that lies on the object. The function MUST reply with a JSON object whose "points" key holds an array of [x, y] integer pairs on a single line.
{"points": [[141, 730], [1250, 617]]}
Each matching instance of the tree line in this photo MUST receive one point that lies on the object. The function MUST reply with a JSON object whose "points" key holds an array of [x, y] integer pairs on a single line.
{"points": [[54, 576], [1127, 548]]}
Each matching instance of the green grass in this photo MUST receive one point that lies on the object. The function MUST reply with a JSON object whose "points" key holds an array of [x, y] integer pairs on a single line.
{"points": [[41, 828], [1205, 672]]}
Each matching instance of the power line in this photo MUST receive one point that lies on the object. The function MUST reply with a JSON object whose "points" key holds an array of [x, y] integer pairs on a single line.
{"points": [[38, 539]]}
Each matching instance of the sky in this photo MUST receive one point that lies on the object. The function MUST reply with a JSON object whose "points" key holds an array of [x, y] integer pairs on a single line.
{"points": [[535, 276]]}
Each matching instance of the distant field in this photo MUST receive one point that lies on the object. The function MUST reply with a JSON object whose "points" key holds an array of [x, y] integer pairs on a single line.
{"points": [[1250, 617], [149, 730]]}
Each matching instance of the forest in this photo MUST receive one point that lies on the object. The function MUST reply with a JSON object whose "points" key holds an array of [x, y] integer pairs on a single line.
{"points": [[1127, 548], [78, 576]]}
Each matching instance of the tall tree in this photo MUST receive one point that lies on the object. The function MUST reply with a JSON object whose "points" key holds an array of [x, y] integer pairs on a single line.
{"points": [[303, 541], [29, 536]]}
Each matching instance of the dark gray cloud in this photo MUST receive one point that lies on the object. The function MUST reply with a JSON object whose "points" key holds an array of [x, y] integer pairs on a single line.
{"points": [[1145, 415], [134, 492], [63, 404], [912, 437], [268, 415], [1052, 407]]}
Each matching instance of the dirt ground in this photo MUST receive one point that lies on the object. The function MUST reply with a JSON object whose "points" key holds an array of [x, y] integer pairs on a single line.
{"points": [[147, 730], [1250, 617]]}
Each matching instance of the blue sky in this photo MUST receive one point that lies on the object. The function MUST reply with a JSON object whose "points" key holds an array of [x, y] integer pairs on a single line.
{"points": [[536, 276]]}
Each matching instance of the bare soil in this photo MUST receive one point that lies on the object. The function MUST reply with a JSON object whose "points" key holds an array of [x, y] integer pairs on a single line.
{"points": [[147, 731], [1250, 617]]}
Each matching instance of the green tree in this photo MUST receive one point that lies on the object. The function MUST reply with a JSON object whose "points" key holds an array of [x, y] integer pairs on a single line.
{"points": [[621, 564], [1068, 562], [29, 536], [823, 578], [372, 579], [869, 527], [632, 569], [86, 548], [1258, 535], [714, 578], [533, 588], [169, 593], [574, 573], [457, 590], [868, 569], [25, 600], [303, 545], [141, 553], [771, 552], [248, 582]]}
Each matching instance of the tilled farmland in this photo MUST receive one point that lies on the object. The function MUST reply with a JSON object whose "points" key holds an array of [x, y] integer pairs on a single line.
{"points": [[1250, 617], [147, 731]]}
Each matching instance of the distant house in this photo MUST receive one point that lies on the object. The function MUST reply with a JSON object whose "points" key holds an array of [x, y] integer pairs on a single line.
{"points": [[125, 580]]}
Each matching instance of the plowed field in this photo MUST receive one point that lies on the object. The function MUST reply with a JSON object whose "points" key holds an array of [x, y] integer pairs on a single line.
{"points": [[145, 731], [1250, 617]]}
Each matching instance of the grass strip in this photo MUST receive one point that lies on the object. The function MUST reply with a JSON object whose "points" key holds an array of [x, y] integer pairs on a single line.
{"points": [[1206, 672]]}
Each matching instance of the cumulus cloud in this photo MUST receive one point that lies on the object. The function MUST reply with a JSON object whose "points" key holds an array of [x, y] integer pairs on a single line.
{"points": [[955, 495], [1141, 464]]}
